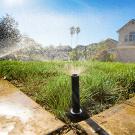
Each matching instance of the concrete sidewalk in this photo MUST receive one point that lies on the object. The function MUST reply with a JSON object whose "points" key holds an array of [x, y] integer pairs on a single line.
{"points": [[118, 120], [19, 115]]}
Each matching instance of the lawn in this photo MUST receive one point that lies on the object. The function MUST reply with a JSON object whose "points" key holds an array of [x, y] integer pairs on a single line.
{"points": [[102, 84]]}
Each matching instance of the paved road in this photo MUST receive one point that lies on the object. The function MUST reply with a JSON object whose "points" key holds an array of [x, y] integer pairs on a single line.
{"points": [[118, 120], [19, 115]]}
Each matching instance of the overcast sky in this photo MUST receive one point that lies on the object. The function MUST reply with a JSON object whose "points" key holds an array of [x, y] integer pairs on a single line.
{"points": [[48, 21]]}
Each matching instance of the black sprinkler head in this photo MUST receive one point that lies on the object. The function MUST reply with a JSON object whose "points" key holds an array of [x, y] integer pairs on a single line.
{"points": [[75, 95], [76, 113]]}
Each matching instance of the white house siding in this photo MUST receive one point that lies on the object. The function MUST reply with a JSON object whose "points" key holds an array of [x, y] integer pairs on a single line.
{"points": [[125, 54], [130, 27], [125, 51]]}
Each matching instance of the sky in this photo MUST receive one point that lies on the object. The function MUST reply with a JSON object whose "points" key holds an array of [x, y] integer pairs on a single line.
{"points": [[48, 21]]}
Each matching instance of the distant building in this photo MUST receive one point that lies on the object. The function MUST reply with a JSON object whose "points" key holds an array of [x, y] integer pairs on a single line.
{"points": [[127, 34], [126, 45]]}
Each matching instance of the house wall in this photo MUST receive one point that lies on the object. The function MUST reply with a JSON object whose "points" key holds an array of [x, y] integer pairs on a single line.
{"points": [[125, 54], [125, 31]]}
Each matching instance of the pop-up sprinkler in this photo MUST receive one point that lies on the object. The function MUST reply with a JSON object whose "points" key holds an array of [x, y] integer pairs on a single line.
{"points": [[76, 109], [76, 113]]}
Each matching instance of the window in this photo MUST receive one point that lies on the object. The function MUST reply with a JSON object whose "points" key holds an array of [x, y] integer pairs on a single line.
{"points": [[130, 37]]}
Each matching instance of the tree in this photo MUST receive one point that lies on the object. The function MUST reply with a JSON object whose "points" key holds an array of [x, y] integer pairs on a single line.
{"points": [[73, 55], [104, 55], [9, 33], [77, 32], [72, 32]]}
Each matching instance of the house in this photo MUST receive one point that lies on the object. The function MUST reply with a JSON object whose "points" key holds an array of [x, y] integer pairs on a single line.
{"points": [[126, 46], [127, 34]]}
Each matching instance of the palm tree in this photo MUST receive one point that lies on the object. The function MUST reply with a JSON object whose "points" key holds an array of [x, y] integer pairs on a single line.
{"points": [[78, 30], [72, 32]]}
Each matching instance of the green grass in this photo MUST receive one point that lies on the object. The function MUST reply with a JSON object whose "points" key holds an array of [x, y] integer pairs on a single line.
{"points": [[101, 85]]}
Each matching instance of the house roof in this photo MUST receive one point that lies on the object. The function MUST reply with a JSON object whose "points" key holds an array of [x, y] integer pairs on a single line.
{"points": [[131, 21]]}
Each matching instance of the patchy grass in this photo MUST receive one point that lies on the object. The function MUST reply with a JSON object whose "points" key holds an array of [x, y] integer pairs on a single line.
{"points": [[101, 85]]}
